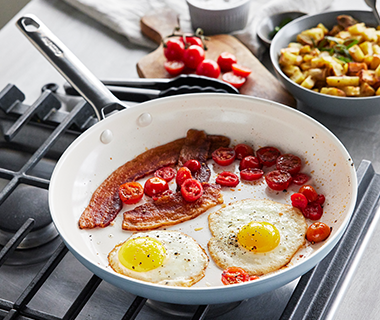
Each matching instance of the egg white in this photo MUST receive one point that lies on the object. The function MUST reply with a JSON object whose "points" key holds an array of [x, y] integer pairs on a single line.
{"points": [[184, 265], [225, 225]]}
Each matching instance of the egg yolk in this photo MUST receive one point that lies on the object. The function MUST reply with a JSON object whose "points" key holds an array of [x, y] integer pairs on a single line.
{"points": [[259, 236], [142, 254]]}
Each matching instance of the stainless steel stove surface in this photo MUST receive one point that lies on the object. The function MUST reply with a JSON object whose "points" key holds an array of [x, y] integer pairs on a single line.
{"points": [[40, 279]]}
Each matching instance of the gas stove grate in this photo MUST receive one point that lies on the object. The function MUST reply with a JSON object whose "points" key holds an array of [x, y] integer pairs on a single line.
{"points": [[311, 298]]}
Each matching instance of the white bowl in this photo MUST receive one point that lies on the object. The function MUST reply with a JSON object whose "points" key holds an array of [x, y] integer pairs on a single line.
{"points": [[341, 106], [218, 16]]}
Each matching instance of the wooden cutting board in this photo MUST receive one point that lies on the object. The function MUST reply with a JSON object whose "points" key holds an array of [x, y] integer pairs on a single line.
{"points": [[261, 83]]}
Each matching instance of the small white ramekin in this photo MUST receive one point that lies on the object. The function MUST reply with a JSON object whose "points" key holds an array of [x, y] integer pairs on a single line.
{"points": [[218, 16]]}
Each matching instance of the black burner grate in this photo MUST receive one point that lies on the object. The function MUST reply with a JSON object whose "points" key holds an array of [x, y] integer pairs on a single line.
{"points": [[311, 298]]}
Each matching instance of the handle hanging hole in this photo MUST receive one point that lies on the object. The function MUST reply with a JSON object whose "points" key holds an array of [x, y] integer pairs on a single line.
{"points": [[29, 24]]}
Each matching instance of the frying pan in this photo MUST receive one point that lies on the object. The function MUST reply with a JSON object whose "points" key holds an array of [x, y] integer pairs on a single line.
{"points": [[123, 135]]}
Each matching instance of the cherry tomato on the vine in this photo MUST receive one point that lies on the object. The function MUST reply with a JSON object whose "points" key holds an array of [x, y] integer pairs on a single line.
{"points": [[242, 150], [224, 156], [193, 165], [289, 162], [251, 174], [317, 232], [268, 155], [166, 173], [240, 70], [192, 40], [155, 186], [174, 49], [208, 68], [227, 179], [183, 174], [309, 192], [277, 180], [226, 60], [174, 67], [251, 162], [299, 200], [233, 79], [193, 56], [191, 190], [131, 192]]}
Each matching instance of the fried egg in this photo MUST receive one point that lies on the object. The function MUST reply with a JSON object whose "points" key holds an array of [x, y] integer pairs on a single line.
{"points": [[159, 256], [259, 236]]}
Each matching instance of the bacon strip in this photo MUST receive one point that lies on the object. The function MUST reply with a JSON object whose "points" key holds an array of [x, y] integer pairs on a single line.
{"points": [[105, 203], [171, 209]]}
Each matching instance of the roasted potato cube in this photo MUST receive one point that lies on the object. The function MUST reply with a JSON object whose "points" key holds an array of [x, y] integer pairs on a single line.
{"points": [[358, 28], [354, 68], [375, 62], [377, 91], [369, 77], [376, 49], [297, 76], [333, 91], [366, 47], [342, 81], [289, 70], [305, 65], [344, 35], [295, 45], [310, 36], [369, 34], [317, 74], [351, 91], [366, 90], [356, 53], [308, 83], [377, 72], [288, 58], [305, 49], [294, 50], [321, 26]]}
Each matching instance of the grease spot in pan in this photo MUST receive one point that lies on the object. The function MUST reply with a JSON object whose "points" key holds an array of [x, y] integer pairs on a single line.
{"points": [[106, 136], [144, 119]]}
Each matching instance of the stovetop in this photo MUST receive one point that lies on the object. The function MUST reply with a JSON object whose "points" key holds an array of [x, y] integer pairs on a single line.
{"points": [[49, 283]]}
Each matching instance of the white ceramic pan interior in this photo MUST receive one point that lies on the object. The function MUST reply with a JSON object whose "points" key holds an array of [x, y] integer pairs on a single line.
{"points": [[121, 137], [88, 161]]}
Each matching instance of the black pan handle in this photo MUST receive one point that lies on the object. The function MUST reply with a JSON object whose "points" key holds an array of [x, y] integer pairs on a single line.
{"points": [[72, 69]]}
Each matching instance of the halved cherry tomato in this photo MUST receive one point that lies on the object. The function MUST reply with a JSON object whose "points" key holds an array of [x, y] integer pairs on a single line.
{"points": [[227, 179], [191, 190], [277, 180], [240, 70], [299, 200], [193, 56], [233, 79], [289, 162], [166, 173], [183, 174], [174, 67], [155, 186], [191, 40], [208, 68], [234, 275], [268, 155], [226, 60], [317, 232], [309, 192], [251, 162], [193, 165], [131, 192], [300, 178], [174, 49], [242, 150], [321, 199], [251, 174], [224, 156], [313, 211]]}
